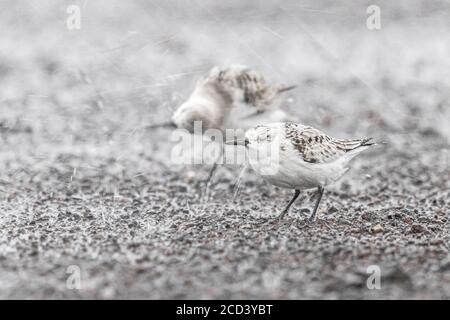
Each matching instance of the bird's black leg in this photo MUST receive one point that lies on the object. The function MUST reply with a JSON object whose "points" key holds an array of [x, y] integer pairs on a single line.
{"points": [[319, 197], [254, 114], [296, 194], [209, 179], [211, 172]]}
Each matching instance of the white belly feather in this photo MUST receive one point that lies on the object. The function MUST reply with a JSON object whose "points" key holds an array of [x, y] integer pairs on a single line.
{"points": [[289, 170]]}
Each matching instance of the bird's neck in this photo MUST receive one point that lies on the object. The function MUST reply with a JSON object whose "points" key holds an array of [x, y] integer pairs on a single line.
{"points": [[211, 91]]}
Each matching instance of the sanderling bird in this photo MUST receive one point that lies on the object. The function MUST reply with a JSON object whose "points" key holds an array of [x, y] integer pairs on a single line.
{"points": [[294, 156], [216, 95]]}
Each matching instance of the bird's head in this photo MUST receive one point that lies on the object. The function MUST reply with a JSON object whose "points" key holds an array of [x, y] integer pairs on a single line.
{"points": [[194, 117], [255, 136], [249, 138]]}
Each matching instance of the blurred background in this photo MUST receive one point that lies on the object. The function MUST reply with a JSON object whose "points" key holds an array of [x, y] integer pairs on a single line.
{"points": [[136, 62], [76, 160]]}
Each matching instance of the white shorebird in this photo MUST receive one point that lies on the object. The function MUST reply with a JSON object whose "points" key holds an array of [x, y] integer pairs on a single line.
{"points": [[294, 156], [216, 97]]}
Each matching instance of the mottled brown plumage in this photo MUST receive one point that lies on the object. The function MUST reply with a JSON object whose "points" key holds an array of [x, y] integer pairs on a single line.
{"points": [[246, 85], [317, 147]]}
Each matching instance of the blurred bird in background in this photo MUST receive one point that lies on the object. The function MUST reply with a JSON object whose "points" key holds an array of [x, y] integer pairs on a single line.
{"points": [[229, 97]]}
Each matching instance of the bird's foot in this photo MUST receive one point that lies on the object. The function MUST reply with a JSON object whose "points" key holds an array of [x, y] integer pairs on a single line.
{"points": [[280, 217], [317, 222], [205, 193], [312, 219], [276, 221]]}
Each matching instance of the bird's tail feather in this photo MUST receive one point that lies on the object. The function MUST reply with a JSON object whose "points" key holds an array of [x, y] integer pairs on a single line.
{"points": [[168, 124], [367, 142], [349, 145], [286, 88]]}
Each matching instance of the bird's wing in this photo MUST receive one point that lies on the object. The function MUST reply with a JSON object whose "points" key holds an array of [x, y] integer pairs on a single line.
{"points": [[240, 81], [317, 147]]}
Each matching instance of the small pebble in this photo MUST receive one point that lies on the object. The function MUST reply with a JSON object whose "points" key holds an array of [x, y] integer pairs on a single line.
{"points": [[418, 228], [377, 228], [437, 242], [190, 176]]}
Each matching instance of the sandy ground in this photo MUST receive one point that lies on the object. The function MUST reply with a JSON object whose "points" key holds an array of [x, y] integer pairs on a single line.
{"points": [[82, 183]]}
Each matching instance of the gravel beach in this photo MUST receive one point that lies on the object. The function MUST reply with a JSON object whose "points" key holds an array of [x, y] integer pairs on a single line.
{"points": [[83, 183]]}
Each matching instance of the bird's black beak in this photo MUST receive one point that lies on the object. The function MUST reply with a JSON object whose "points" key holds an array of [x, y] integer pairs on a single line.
{"points": [[169, 124], [238, 142]]}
